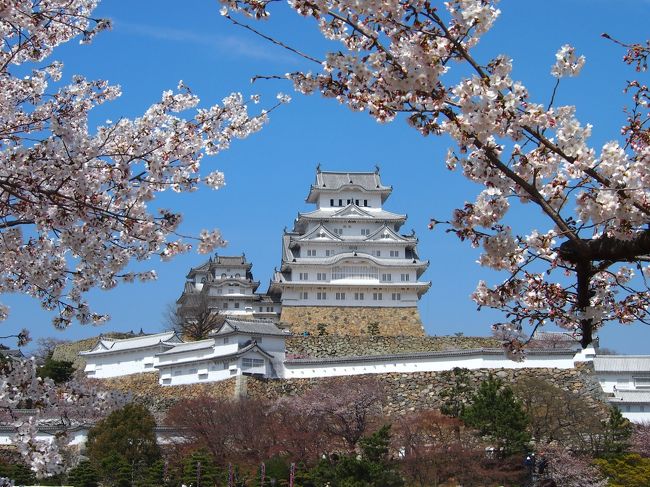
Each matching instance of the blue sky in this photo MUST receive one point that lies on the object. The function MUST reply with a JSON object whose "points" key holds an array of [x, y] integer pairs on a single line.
{"points": [[154, 44]]}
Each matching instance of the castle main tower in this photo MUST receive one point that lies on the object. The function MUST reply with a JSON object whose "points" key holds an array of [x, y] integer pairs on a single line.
{"points": [[346, 266]]}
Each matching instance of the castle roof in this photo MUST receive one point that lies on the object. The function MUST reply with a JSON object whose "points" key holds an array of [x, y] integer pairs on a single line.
{"points": [[335, 181], [106, 345], [622, 363], [221, 261], [233, 326]]}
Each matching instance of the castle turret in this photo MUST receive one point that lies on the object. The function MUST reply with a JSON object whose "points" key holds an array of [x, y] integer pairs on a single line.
{"points": [[346, 266]]}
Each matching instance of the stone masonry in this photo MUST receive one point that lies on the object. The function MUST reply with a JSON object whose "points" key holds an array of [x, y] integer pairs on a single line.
{"points": [[353, 320]]}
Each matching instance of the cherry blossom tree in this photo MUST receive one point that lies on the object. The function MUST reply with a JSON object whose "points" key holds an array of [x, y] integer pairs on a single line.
{"points": [[415, 60], [27, 401], [75, 201]]}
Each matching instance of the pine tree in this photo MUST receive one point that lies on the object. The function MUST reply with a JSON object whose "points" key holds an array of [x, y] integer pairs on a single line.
{"points": [[495, 412]]}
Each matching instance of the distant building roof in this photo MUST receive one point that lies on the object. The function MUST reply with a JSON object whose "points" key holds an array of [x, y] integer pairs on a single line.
{"points": [[106, 345], [623, 396], [622, 363], [189, 347], [12, 352], [334, 181], [252, 327]]}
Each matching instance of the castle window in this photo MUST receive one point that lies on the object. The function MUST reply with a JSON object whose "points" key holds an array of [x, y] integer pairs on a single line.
{"points": [[238, 275], [365, 231], [358, 296], [338, 231], [365, 202], [340, 202], [321, 295], [328, 253], [332, 202], [397, 297], [261, 309], [355, 272], [394, 253], [225, 306], [305, 295], [340, 296], [349, 201], [237, 305], [405, 277], [311, 253], [269, 309], [377, 296], [321, 276], [225, 341], [304, 276], [377, 253], [223, 275], [356, 202], [386, 277]]}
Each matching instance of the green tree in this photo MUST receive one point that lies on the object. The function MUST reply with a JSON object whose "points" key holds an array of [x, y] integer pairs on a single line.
{"points": [[373, 468], [20, 473], [618, 431], [83, 475], [495, 412], [631, 470], [122, 447], [58, 370], [458, 392], [200, 470]]}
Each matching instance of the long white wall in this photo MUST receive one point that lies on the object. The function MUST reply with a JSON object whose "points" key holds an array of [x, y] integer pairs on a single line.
{"points": [[115, 364], [303, 368]]}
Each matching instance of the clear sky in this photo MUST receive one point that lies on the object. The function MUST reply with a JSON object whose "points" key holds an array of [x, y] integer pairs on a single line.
{"points": [[154, 44]]}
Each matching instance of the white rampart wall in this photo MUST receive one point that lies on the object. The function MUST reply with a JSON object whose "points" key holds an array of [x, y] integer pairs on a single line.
{"points": [[115, 364], [297, 369]]}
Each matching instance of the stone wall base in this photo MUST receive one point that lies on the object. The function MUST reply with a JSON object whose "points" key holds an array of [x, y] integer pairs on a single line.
{"points": [[352, 320]]}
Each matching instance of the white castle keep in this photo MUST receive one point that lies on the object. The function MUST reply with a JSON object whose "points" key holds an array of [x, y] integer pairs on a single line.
{"points": [[348, 253]]}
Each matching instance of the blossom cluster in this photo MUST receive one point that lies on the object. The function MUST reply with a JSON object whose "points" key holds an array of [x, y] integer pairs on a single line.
{"points": [[75, 201], [398, 58]]}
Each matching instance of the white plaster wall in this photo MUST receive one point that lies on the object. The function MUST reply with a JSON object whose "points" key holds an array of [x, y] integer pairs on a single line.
{"points": [[195, 372], [293, 296], [432, 364], [219, 349], [122, 363]]}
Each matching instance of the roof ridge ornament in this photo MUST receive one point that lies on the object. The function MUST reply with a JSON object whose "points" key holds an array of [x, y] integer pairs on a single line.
{"points": [[318, 170], [377, 170]]}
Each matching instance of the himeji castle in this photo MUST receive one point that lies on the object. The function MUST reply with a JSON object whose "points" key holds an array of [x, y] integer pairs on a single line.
{"points": [[224, 284], [346, 266]]}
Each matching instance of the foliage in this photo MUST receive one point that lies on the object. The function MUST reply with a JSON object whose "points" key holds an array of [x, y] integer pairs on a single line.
{"points": [[558, 416], [79, 400], [346, 407], [618, 430], [373, 468], [455, 396], [240, 431], [495, 412], [18, 472], [123, 445], [569, 469], [629, 470], [199, 470], [58, 370], [76, 201], [417, 60], [83, 475], [640, 440]]}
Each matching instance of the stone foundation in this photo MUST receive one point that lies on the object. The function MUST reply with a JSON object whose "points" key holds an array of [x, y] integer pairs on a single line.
{"points": [[353, 320]]}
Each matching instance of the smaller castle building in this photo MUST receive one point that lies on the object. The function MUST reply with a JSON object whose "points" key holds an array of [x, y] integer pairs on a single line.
{"points": [[224, 284]]}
